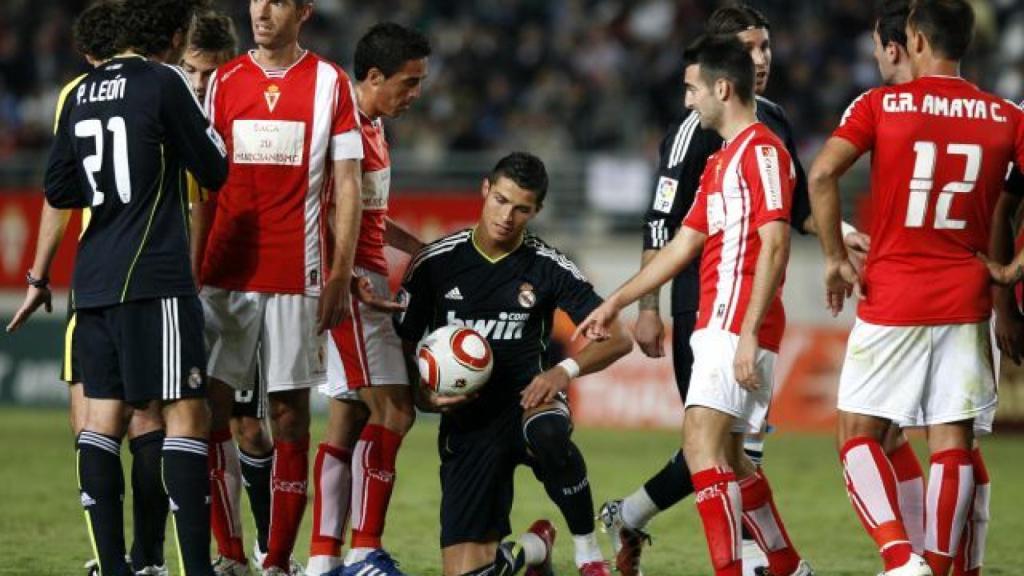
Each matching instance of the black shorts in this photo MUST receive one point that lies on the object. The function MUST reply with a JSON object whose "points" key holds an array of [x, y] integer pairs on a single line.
{"points": [[251, 403], [478, 477], [682, 354], [143, 350], [70, 371]]}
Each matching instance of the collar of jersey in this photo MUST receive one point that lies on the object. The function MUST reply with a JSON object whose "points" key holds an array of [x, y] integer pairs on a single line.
{"points": [[472, 238], [276, 72]]}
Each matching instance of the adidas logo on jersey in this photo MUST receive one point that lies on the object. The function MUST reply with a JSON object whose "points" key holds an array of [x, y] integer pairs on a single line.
{"points": [[508, 325], [453, 294]]}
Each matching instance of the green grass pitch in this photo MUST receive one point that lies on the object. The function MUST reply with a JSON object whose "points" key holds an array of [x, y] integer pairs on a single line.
{"points": [[42, 530]]}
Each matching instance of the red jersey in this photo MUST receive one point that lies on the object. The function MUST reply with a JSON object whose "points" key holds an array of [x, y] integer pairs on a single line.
{"points": [[746, 184], [940, 151], [376, 187], [283, 130]]}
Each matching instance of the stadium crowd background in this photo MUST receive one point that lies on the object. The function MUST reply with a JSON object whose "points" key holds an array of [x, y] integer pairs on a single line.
{"points": [[556, 77]]}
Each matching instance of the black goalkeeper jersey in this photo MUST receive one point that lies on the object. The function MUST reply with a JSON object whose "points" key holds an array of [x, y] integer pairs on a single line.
{"points": [[510, 301], [684, 153], [125, 136]]}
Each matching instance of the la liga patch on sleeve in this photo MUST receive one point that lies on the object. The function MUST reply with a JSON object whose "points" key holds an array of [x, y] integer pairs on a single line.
{"points": [[665, 194]]}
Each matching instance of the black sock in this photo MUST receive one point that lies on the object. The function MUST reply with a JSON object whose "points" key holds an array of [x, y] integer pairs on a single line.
{"points": [[509, 559], [560, 466], [101, 486], [671, 484], [149, 501], [188, 485], [256, 475]]}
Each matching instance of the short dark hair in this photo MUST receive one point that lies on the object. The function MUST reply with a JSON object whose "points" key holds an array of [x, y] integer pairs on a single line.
{"points": [[735, 19], [526, 170], [891, 24], [212, 31], [150, 25], [96, 29], [723, 57], [948, 25], [387, 47]]}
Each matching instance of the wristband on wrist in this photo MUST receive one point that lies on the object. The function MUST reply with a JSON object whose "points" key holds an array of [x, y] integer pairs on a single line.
{"points": [[40, 283], [571, 367], [847, 228]]}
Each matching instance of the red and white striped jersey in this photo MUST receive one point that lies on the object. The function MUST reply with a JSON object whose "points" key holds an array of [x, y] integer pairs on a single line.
{"points": [[746, 184], [283, 129], [376, 188]]}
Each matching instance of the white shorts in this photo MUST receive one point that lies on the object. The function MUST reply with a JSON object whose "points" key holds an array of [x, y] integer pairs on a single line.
{"points": [[281, 326], [364, 350], [713, 383], [919, 375]]}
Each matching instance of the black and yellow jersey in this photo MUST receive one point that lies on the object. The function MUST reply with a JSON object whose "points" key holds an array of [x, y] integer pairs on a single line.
{"points": [[126, 133]]}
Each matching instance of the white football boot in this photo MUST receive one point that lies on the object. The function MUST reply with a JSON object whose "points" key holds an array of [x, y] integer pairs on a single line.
{"points": [[916, 566]]}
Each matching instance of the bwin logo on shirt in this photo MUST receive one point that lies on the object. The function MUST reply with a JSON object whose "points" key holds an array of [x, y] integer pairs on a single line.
{"points": [[508, 325]]}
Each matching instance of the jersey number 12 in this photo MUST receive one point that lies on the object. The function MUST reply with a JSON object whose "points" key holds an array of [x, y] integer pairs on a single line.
{"points": [[93, 128], [924, 180]]}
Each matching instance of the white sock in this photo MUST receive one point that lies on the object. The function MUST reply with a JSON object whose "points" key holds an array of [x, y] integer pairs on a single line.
{"points": [[534, 549], [587, 549], [638, 509], [357, 555]]}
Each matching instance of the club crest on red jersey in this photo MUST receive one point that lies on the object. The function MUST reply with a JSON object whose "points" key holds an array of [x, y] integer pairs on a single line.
{"points": [[272, 94]]}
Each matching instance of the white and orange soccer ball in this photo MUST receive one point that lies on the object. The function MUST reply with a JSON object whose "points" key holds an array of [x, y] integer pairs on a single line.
{"points": [[454, 360]]}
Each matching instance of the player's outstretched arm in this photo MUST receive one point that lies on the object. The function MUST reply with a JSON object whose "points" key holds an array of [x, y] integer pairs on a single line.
{"points": [[649, 330], [768, 272], [333, 306], [594, 357], [1009, 325], [832, 162], [52, 225], [669, 261], [398, 237]]}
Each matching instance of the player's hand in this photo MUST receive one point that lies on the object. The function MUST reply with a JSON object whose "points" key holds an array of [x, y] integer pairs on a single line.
{"points": [[362, 288], [744, 364], [857, 246], [1010, 334], [1006, 275], [841, 281], [595, 325], [433, 402], [334, 305], [34, 298], [544, 388], [650, 333]]}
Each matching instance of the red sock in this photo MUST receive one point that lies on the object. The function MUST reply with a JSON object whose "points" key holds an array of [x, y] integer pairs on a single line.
{"points": [[287, 499], [971, 552], [950, 491], [225, 495], [763, 521], [871, 485], [332, 491], [910, 485], [718, 502], [373, 479]]}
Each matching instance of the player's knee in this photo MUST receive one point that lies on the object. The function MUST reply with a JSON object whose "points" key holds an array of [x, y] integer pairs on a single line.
{"points": [[548, 438], [251, 436]]}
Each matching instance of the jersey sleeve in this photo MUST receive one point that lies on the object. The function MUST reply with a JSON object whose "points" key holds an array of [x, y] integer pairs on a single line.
{"points": [[859, 123], [682, 156], [417, 295], [697, 217], [1018, 153], [770, 173], [346, 138], [576, 296], [190, 133], [61, 183]]}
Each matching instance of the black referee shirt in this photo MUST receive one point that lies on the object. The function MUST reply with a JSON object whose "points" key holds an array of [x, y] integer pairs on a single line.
{"points": [[684, 152], [125, 136]]}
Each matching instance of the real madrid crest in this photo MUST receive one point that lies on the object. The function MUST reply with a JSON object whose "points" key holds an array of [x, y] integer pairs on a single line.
{"points": [[195, 378], [272, 94], [527, 297]]}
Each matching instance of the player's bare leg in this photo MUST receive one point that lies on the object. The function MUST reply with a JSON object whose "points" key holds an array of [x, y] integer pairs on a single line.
{"points": [[391, 415], [532, 550], [560, 465], [872, 487], [225, 482], [256, 457], [77, 407], [289, 421], [149, 499], [951, 491], [332, 483], [910, 484]]}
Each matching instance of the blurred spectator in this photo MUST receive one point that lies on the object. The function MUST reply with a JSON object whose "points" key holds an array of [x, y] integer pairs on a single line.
{"points": [[551, 75]]}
